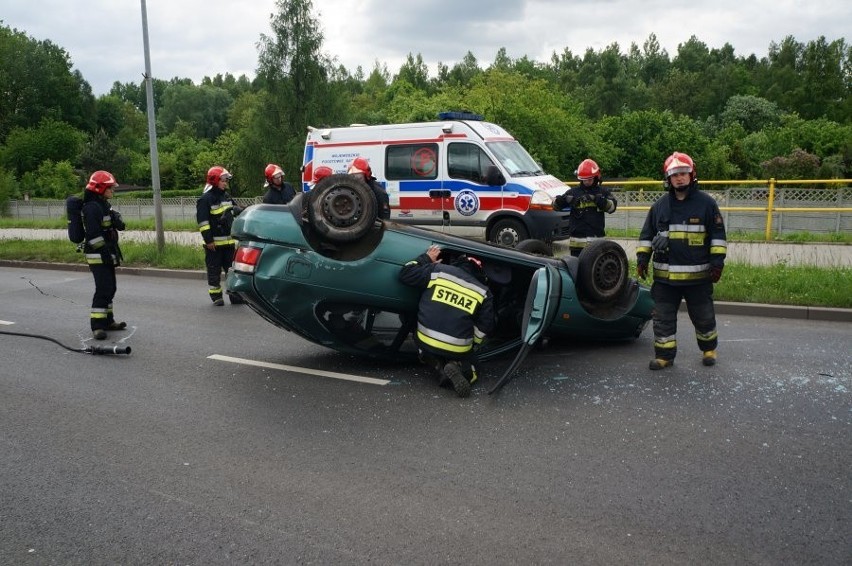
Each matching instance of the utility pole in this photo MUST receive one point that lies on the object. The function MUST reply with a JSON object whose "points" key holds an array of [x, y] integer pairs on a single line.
{"points": [[152, 136]]}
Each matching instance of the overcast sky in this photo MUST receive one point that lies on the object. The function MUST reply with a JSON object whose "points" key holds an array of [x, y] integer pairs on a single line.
{"points": [[197, 38]]}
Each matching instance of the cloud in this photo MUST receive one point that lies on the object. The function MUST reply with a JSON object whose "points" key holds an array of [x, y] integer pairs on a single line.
{"points": [[198, 38]]}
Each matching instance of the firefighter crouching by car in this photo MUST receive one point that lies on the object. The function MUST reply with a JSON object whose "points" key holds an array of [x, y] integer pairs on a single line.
{"points": [[215, 211], [103, 255], [685, 233], [587, 204], [456, 312]]}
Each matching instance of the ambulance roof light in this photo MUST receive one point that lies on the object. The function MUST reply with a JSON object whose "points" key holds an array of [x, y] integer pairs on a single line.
{"points": [[460, 115], [325, 134]]}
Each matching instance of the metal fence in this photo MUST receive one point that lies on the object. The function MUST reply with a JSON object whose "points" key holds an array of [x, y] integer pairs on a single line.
{"points": [[745, 209]]}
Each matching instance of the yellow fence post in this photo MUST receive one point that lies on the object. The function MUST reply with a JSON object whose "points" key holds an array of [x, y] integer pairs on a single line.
{"points": [[769, 206]]}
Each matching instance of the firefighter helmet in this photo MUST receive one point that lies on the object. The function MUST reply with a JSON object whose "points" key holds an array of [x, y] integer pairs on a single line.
{"points": [[321, 173], [217, 173], [272, 170], [100, 181], [360, 165], [678, 163], [588, 169]]}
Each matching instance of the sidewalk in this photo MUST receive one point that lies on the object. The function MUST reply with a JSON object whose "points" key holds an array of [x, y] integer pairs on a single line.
{"points": [[751, 253]]}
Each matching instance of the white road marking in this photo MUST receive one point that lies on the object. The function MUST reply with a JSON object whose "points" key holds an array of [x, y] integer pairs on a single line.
{"points": [[6, 322], [318, 372]]}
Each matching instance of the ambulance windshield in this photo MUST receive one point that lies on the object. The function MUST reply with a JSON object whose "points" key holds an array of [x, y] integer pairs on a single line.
{"points": [[515, 159]]}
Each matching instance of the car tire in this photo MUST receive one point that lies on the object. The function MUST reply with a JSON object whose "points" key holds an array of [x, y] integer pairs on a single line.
{"points": [[341, 208], [508, 232], [603, 271], [535, 247]]}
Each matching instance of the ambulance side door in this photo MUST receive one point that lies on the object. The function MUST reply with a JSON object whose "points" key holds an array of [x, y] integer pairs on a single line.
{"points": [[413, 182], [473, 200]]}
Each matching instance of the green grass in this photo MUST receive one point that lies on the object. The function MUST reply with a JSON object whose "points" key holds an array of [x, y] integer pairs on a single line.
{"points": [[135, 254], [777, 285]]}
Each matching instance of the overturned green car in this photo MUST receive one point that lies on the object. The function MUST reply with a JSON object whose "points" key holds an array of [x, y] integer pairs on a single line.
{"points": [[324, 268]]}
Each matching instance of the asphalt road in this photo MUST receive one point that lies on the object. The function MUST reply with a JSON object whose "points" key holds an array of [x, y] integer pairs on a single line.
{"points": [[169, 456]]}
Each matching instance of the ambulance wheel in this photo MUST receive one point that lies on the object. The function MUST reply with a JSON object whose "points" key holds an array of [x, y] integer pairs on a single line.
{"points": [[535, 247], [341, 208], [603, 271], [508, 232]]}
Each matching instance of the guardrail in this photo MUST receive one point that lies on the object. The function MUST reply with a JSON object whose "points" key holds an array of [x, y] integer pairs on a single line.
{"points": [[748, 206], [840, 197]]}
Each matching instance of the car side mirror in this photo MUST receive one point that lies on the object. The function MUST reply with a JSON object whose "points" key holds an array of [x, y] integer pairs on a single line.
{"points": [[493, 177]]}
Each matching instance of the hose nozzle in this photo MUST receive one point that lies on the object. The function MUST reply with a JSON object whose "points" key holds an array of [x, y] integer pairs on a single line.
{"points": [[104, 350]]}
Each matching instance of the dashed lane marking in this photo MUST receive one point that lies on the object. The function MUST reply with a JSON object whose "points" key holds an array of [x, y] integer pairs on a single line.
{"points": [[296, 369]]}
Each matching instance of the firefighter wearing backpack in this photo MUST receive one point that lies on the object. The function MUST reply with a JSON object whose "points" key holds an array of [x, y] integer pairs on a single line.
{"points": [[215, 211], [103, 255]]}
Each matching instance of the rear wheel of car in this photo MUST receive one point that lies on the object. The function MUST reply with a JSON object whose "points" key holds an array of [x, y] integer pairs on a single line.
{"points": [[602, 274], [535, 247], [341, 208], [508, 232]]}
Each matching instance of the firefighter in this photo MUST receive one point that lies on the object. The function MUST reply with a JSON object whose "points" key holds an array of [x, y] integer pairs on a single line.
{"points": [[684, 234], [215, 211], [361, 167], [278, 191], [320, 173], [587, 204], [455, 314], [103, 255]]}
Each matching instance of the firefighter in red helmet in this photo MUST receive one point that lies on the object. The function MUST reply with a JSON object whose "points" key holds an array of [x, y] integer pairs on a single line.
{"points": [[360, 167], [321, 173], [685, 236], [278, 191], [215, 211], [103, 255], [586, 205]]}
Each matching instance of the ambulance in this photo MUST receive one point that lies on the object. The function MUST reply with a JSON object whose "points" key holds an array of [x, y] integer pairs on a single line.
{"points": [[460, 175]]}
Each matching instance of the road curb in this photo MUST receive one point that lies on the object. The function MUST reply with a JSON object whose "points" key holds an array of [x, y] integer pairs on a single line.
{"points": [[742, 309]]}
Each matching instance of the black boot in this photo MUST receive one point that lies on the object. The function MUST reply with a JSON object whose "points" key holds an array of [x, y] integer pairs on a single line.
{"points": [[453, 372]]}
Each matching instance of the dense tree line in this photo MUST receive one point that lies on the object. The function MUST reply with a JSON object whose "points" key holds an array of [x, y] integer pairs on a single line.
{"points": [[787, 114]]}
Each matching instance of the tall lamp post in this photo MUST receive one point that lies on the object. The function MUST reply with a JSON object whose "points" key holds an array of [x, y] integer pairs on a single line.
{"points": [[152, 136]]}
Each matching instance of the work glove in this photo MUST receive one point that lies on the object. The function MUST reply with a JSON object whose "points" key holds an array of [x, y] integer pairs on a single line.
{"points": [[660, 243], [117, 221], [642, 269], [562, 202], [600, 202], [715, 273]]}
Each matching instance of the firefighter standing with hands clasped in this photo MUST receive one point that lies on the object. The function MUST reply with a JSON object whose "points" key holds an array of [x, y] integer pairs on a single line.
{"points": [[685, 234], [215, 211], [587, 203], [103, 255]]}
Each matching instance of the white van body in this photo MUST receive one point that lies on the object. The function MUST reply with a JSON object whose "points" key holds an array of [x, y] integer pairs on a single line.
{"points": [[437, 174]]}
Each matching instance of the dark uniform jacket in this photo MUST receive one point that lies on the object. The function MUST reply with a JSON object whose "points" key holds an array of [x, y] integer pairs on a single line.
{"points": [[215, 211], [456, 310], [696, 237], [279, 195], [588, 205], [382, 198], [101, 224]]}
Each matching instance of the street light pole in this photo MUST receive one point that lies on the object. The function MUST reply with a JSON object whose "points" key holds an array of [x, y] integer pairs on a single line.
{"points": [[152, 136]]}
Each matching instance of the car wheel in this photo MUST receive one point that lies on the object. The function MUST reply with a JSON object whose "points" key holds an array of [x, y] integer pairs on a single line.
{"points": [[602, 274], [341, 208], [535, 247], [508, 232]]}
